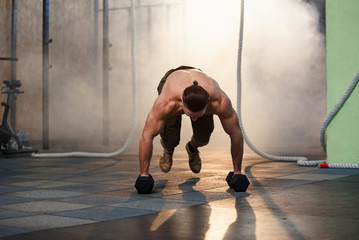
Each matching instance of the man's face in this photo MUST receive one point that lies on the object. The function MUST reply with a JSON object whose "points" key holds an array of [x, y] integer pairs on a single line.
{"points": [[194, 115]]}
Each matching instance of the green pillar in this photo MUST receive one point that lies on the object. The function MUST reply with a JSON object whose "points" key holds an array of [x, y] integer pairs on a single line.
{"points": [[342, 24]]}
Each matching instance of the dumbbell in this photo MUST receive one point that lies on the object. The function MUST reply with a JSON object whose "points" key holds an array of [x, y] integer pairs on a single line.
{"points": [[144, 184], [239, 182]]}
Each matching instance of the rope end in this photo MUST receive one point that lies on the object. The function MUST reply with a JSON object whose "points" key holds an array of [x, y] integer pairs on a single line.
{"points": [[324, 165]]}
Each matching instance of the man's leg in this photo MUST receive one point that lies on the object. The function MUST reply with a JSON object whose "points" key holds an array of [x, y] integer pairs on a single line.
{"points": [[170, 134], [202, 130], [170, 138]]}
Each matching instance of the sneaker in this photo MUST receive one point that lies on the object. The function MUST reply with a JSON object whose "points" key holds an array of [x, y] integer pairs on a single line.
{"points": [[194, 160], [166, 160]]}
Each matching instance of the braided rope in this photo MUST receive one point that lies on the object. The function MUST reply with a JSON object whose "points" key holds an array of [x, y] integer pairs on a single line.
{"points": [[134, 122], [239, 103], [336, 108], [339, 165]]}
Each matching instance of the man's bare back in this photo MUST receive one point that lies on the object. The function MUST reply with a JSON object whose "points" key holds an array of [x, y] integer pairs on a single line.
{"points": [[169, 102]]}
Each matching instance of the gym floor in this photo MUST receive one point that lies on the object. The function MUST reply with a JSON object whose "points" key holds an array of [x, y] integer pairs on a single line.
{"points": [[86, 198]]}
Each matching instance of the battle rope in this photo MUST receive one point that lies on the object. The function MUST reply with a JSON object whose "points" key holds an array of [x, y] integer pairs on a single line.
{"points": [[336, 108], [301, 161], [133, 125], [330, 117]]}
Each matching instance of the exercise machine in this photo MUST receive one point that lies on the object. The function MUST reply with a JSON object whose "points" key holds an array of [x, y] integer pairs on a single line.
{"points": [[7, 134], [10, 142]]}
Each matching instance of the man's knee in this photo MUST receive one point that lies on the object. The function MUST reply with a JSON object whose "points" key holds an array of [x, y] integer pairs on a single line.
{"points": [[169, 144], [199, 143]]}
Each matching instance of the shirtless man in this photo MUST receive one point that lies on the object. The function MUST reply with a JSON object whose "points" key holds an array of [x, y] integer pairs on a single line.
{"points": [[187, 90]]}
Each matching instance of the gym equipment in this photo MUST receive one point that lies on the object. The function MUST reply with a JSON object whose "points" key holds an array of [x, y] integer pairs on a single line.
{"points": [[144, 184], [10, 142], [6, 132], [239, 182]]}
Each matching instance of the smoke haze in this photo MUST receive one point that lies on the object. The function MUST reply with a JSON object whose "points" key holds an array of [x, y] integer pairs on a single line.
{"points": [[283, 71], [283, 68]]}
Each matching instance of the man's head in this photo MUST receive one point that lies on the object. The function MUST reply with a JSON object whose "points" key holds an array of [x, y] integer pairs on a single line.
{"points": [[195, 98]]}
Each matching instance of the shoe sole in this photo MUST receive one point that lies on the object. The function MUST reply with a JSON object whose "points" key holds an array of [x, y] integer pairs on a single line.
{"points": [[193, 167]]}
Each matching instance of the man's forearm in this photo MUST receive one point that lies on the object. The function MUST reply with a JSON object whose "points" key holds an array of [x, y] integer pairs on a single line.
{"points": [[237, 153], [145, 154]]}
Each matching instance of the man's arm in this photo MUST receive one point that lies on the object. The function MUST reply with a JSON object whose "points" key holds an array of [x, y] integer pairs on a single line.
{"points": [[230, 123], [150, 131]]}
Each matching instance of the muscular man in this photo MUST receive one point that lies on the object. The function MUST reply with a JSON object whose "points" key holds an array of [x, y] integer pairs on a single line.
{"points": [[187, 90]]}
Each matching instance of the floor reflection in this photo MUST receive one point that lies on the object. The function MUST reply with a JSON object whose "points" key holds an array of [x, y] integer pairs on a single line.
{"points": [[271, 214], [185, 223], [207, 221], [161, 218], [245, 222]]}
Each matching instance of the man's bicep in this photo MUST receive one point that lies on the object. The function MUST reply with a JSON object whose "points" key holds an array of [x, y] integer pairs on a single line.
{"points": [[230, 122], [153, 124]]}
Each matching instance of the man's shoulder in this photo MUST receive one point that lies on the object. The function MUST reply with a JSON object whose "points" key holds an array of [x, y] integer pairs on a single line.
{"points": [[164, 106], [221, 104]]}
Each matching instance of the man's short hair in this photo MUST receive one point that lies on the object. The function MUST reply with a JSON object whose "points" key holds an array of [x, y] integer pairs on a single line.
{"points": [[195, 97]]}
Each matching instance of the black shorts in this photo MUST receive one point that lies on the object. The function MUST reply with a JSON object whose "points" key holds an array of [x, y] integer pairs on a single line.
{"points": [[171, 131]]}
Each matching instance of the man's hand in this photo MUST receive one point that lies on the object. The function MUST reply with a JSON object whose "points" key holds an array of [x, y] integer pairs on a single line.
{"points": [[144, 184], [239, 182]]}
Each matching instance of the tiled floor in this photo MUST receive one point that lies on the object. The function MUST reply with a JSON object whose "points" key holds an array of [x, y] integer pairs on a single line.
{"points": [[74, 198]]}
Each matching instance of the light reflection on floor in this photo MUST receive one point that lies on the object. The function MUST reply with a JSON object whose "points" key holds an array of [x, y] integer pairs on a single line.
{"points": [[219, 221]]}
